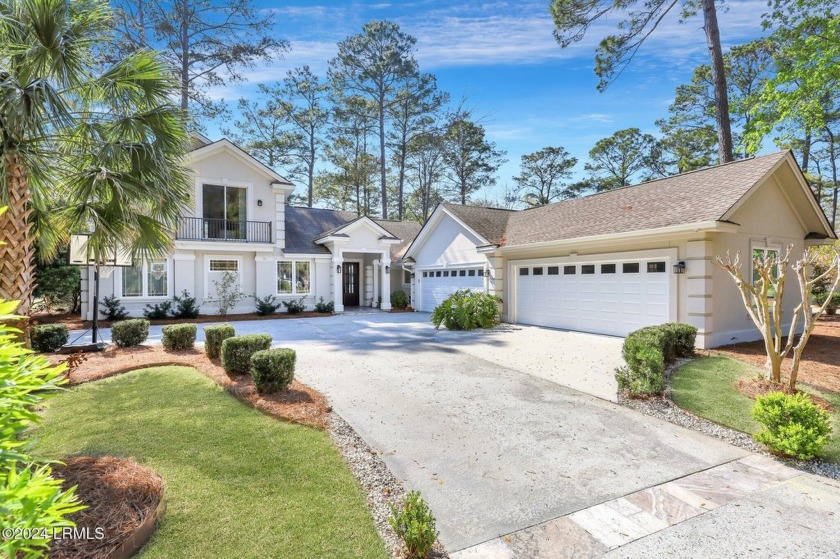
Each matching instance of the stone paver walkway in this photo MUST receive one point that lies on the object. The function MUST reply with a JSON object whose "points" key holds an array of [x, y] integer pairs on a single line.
{"points": [[594, 531]]}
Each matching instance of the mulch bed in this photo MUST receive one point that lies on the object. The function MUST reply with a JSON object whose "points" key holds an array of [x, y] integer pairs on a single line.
{"points": [[820, 366], [74, 321], [299, 404], [753, 388], [121, 495]]}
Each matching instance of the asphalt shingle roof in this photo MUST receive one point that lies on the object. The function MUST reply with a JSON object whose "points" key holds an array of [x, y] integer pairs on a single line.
{"points": [[702, 195], [304, 225], [405, 231]]}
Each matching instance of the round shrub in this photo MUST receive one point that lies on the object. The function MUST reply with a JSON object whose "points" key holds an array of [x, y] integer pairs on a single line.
{"points": [[792, 424], [179, 336], [129, 333], [467, 310], [49, 337], [214, 336], [273, 369], [414, 524], [399, 300], [237, 352]]}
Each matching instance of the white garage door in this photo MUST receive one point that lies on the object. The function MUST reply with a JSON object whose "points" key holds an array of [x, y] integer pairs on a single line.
{"points": [[610, 297], [437, 285]]}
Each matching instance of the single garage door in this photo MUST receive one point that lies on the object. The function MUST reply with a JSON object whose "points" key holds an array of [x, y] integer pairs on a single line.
{"points": [[437, 285], [611, 297]]}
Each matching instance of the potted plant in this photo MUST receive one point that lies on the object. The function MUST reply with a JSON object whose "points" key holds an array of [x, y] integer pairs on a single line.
{"points": [[831, 308]]}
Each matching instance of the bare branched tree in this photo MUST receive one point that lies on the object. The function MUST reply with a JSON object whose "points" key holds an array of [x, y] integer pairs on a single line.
{"points": [[763, 299]]}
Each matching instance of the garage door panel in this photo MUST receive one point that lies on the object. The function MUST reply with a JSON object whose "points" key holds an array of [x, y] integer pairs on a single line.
{"points": [[616, 299], [435, 286]]}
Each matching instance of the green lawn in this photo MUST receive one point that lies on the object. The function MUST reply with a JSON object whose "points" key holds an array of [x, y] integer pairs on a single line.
{"points": [[707, 386], [237, 483]]}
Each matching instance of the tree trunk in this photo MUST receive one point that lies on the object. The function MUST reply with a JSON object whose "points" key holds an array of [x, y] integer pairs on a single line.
{"points": [[833, 160], [311, 169], [724, 128], [401, 182], [17, 271], [382, 174], [185, 60], [806, 150]]}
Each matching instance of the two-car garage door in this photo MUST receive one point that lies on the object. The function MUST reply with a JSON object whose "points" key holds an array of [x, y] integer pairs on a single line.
{"points": [[606, 297], [437, 285]]}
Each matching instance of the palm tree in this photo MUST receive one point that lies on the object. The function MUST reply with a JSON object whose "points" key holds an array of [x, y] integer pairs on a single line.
{"points": [[106, 142]]}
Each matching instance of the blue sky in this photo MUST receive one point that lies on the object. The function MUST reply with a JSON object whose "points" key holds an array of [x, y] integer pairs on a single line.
{"points": [[528, 92]]}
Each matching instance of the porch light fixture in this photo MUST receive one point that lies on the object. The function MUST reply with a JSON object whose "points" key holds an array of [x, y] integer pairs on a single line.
{"points": [[486, 273], [259, 203], [387, 269], [679, 267], [338, 269]]}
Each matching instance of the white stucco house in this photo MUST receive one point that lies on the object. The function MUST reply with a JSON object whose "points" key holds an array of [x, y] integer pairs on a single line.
{"points": [[608, 263], [611, 263], [241, 223]]}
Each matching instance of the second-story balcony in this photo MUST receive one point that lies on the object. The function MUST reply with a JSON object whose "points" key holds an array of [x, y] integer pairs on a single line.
{"points": [[207, 229]]}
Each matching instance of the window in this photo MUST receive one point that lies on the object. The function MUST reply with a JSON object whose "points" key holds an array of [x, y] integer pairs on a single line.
{"points": [[656, 267], [224, 209], [764, 253], [607, 268], [472, 273], [462, 273], [523, 271], [587, 269], [554, 270], [406, 276], [538, 271], [224, 266], [446, 273], [630, 267], [293, 277], [437, 274], [569, 270], [425, 274], [146, 279]]}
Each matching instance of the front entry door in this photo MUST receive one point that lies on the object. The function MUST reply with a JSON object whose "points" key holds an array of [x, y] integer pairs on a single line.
{"points": [[351, 284]]}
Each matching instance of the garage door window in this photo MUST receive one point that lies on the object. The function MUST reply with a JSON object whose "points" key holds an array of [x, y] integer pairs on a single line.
{"points": [[472, 273], [437, 274], [607, 268], [656, 267], [538, 271], [587, 269], [569, 270], [523, 271], [630, 268], [553, 270], [462, 273]]}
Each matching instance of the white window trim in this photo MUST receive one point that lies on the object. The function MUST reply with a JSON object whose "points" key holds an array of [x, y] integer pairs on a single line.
{"points": [[294, 262], [199, 193], [763, 246], [118, 283], [208, 258]]}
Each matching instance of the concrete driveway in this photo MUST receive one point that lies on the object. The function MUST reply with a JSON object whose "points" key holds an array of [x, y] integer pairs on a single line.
{"points": [[488, 427]]}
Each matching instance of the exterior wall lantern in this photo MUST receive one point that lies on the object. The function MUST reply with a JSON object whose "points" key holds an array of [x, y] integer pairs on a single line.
{"points": [[486, 273], [679, 267], [338, 269], [259, 203], [387, 269]]}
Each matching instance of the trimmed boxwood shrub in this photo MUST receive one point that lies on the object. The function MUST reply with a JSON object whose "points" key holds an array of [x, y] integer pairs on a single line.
{"points": [[49, 337], [179, 336], [467, 310], [399, 300], [237, 352], [214, 336], [129, 333], [273, 369], [646, 352], [792, 424]]}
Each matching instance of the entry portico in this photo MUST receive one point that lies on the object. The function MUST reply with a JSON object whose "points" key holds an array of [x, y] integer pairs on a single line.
{"points": [[357, 246]]}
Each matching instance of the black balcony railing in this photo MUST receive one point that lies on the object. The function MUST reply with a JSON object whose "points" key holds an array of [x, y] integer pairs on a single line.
{"points": [[204, 229]]}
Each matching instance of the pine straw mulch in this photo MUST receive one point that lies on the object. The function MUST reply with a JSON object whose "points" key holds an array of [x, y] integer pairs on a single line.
{"points": [[120, 495], [299, 404], [753, 388], [74, 322], [820, 366]]}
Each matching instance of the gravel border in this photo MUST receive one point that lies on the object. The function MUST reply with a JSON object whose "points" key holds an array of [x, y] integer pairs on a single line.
{"points": [[381, 488], [664, 408]]}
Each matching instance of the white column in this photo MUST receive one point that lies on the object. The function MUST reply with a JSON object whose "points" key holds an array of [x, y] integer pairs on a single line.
{"points": [[376, 282], [264, 283], [386, 282], [337, 277]]}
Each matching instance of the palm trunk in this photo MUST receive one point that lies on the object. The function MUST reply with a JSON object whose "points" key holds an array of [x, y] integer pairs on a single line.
{"points": [[17, 270], [724, 128]]}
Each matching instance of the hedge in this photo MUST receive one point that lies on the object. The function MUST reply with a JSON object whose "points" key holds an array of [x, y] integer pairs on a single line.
{"points": [[273, 369], [237, 352], [129, 333], [214, 336], [646, 352], [179, 336], [49, 337]]}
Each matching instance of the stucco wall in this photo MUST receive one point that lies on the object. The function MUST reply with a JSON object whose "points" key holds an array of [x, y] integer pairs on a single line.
{"points": [[449, 244]]}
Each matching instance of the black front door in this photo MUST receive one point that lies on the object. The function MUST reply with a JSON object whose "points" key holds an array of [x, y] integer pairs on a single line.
{"points": [[351, 284]]}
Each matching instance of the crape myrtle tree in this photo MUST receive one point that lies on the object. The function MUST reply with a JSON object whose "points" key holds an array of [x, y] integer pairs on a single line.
{"points": [[639, 20], [105, 139]]}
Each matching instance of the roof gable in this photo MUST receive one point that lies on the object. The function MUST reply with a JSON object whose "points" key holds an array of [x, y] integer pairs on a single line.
{"points": [[346, 229], [208, 150]]}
